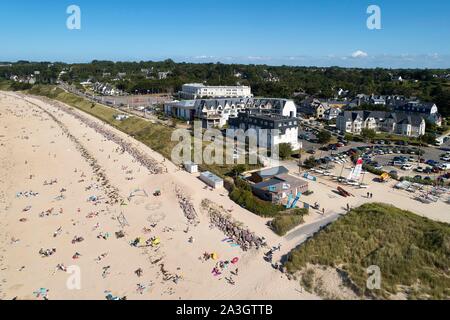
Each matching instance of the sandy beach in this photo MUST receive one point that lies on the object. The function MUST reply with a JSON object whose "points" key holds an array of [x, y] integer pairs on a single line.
{"points": [[77, 193]]}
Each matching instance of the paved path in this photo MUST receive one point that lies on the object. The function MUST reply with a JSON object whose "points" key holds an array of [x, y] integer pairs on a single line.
{"points": [[301, 234]]}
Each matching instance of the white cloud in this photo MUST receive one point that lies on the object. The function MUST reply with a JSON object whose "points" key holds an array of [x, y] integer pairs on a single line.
{"points": [[258, 58], [359, 54], [204, 57]]}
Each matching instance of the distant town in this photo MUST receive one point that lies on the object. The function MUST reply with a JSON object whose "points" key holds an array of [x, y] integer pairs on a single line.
{"points": [[346, 162]]}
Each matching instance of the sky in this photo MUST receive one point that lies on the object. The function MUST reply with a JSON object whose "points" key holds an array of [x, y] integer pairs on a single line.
{"points": [[413, 34]]}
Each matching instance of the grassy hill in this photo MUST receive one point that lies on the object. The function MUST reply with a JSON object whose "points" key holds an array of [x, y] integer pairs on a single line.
{"points": [[412, 252]]}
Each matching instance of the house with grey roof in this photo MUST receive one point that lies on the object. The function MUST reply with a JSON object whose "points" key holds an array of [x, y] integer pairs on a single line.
{"points": [[411, 125], [217, 112], [428, 110], [276, 184], [331, 113], [313, 108], [270, 129], [279, 187]]}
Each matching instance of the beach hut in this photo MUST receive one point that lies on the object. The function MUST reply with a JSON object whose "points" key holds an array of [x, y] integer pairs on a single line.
{"points": [[211, 180], [190, 167]]}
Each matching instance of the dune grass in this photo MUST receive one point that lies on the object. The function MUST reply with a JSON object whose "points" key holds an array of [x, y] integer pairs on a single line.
{"points": [[282, 224], [412, 252]]}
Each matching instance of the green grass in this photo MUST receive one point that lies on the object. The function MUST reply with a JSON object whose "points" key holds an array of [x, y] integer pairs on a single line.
{"points": [[156, 136], [282, 224], [411, 251], [5, 85]]}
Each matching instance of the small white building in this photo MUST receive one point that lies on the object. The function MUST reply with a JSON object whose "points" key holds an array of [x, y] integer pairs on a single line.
{"points": [[190, 167], [211, 180]]}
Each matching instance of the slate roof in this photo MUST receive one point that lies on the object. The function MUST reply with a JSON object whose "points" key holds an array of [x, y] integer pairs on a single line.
{"points": [[398, 117], [272, 172]]}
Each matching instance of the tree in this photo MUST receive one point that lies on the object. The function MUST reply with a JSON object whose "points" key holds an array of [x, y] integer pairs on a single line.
{"points": [[324, 137], [310, 162], [238, 170], [285, 150], [368, 134], [428, 138]]}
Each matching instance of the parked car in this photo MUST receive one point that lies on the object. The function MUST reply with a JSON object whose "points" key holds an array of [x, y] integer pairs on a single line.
{"points": [[436, 170], [406, 167], [393, 173], [419, 169]]}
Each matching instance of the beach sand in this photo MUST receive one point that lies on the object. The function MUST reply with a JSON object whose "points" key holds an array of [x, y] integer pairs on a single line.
{"points": [[61, 179]]}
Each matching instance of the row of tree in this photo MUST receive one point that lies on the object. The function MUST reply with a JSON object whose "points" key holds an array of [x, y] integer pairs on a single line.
{"points": [[268, 81]]}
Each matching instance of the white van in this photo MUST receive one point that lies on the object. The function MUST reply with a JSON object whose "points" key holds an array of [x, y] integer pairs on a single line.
{"points": [[445, 166]]}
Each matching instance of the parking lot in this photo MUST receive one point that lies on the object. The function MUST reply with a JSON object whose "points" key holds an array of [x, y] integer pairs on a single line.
{"points": [[398, 160]]}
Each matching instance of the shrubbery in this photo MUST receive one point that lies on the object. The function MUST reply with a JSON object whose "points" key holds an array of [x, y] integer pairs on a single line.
{"points": [[310, 163], [246, 199], [284, 223], [372, 170], [427, 182], [285, 150], [19, 86]]}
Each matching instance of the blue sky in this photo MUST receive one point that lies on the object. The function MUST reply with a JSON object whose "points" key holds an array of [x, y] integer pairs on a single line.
{"points": [[415, 33]]}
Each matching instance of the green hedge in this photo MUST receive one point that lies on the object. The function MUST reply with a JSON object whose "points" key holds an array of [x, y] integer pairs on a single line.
{"points": [[372, 170], [247, 200]]}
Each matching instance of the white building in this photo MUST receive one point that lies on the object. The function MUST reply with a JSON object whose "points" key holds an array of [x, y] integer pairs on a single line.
{"points": [[217, 112], [190, 167], [212, 112], [198, 90], [211, 180], [397, 123], [280, 129]]}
